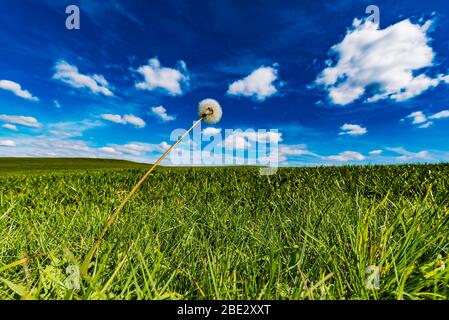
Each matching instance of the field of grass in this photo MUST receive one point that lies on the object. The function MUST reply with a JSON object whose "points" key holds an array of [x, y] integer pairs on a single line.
{"points": [[46, 165], [227, 233]]}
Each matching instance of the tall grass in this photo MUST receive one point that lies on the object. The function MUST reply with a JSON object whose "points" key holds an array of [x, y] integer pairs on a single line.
{"points": [[221, 233]]}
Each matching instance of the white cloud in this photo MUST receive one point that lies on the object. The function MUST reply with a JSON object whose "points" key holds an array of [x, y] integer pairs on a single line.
{"points": [[55, 146], [426, 125], [7, 143], [423, 155], [46, 146], [69, 74], [293, 150], [271, 158], [259, 84], [16, 88], [63, 134], [385, 59], [161, 113], [418, 117], [113, 118], [136, 121], [70, 129], [242, 139], [158, 77], [135, 148], [126, 119], [346, 156], [375, 152], [262, 137], [211, 131], [21, 120], [352, 130], [10, 127], [57, 104], [445, 78], [236, 142], [108, 150], [408, 155], [163, 146], [424, 121], [440, 115]]}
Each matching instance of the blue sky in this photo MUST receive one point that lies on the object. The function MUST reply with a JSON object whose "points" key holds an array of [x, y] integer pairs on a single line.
{"points": [[338, 88]]}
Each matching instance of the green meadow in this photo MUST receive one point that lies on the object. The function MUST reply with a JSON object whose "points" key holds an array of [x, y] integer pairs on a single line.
{"points": [[371, 232]]}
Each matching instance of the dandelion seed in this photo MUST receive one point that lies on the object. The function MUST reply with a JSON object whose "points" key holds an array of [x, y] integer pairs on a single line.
{"points": [[210, 111]]}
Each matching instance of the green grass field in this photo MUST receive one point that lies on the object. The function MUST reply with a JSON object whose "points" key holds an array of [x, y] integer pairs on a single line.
{"points": [[43, 166], [224, 233]]}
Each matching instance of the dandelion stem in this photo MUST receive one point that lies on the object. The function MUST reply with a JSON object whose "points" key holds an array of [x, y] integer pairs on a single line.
{"points": [[111, 219]]}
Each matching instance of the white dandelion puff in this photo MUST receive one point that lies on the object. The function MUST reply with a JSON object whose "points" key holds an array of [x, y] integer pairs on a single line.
{"points": [[210, 111]]}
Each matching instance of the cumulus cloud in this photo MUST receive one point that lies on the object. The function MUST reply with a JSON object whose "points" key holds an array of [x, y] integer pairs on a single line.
{"points": [[445, 78], [440, 115], [21, 120], [426, 125], [126, 119], [258, 85], [168, 79], [70, 129], [346, 156], [49, 146], [352, 130], [16, 88], [64, 134], [135, 148], [408, 155], [262, 137], [375, 152], [294, 150], [418, 117], [387, 61], [163, 146], [161, 113], [7, 143], [211, 131], [108, 150], [69, 74], [284, 152], [242, 139], [10, 127], [236, 142]]}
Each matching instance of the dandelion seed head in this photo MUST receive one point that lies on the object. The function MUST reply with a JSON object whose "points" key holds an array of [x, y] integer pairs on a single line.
{"points": [[210, 110]]}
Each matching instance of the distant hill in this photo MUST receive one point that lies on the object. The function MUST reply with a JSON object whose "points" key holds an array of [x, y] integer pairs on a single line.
{"points": [[27, 165]]}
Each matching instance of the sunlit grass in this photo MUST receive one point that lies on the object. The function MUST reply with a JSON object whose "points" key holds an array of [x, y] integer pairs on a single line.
{"points": [[304, 233]]}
